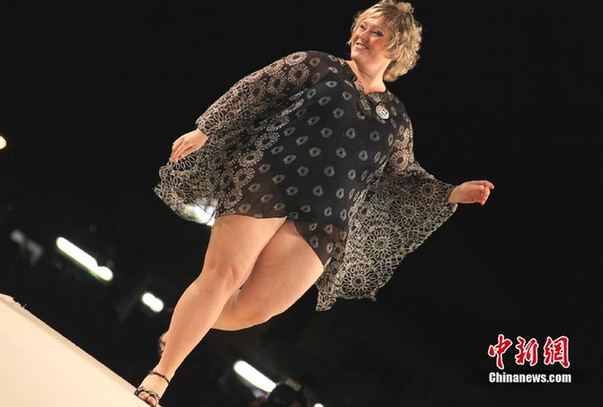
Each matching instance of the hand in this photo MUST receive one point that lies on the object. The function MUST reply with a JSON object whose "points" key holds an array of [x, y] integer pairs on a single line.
{"points": [[471, 192], [187, 143]]}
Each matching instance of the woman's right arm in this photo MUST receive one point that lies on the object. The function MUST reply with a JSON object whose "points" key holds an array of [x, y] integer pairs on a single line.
{"points": [[187, 143], [251, 97], [256, 93]]}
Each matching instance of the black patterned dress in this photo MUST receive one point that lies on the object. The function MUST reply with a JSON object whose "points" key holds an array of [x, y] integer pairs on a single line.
{"points": [[300, 139]]}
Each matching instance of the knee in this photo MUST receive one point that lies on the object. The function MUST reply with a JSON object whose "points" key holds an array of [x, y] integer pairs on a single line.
{"points": [[222, 277]]}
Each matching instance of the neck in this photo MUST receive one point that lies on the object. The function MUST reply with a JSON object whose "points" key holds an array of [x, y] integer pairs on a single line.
{"points": [[371, 77]]}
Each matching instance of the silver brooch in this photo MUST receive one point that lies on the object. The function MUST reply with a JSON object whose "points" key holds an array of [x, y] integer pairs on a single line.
{"points": [[382, 111]]}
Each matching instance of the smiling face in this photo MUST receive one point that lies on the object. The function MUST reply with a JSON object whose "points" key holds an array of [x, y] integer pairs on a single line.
{"points": [[369, 41]]}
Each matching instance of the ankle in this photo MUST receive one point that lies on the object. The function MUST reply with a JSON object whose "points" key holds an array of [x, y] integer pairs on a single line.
{"points": [[165, 370]]}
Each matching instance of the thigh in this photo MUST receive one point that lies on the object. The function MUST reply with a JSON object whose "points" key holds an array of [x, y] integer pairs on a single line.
{"points": [[285, 269], [236, 241]]}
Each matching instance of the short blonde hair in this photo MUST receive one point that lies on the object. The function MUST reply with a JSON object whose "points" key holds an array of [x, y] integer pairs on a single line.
{"points": [[405, 31]]}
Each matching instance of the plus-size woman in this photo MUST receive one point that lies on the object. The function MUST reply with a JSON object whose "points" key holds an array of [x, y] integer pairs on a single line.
{"points": [[309, 165]]}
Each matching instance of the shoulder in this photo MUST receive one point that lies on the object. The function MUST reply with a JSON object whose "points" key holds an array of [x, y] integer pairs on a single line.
{"points": [[311, 56], [399, 107], [397, 103]]}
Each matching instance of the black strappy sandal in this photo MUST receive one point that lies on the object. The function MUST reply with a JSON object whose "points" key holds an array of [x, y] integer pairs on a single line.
{"points": [[151, 393], [160, 343]]}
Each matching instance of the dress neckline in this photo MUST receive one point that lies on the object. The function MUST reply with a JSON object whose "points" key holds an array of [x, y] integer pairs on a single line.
{"points": [[375, 97], [348, 69]]}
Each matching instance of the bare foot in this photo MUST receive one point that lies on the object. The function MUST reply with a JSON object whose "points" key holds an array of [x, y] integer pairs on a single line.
{"points": [[155, 383]]}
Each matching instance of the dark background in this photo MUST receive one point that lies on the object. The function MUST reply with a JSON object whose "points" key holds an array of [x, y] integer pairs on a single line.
{"points": [[92, 94]]}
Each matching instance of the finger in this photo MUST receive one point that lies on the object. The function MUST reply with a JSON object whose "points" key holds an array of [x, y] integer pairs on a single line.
{"points": [[185, 151], [177, 155], [486, 183], [189, 149], [179, 150], [475, 197], [485, 196], [482, 195], [174, 155], [483, 182], [179, 141], [480, 198]]}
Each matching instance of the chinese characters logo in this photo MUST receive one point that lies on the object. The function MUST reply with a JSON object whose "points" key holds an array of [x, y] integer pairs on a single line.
{"points": [[553, 351]]}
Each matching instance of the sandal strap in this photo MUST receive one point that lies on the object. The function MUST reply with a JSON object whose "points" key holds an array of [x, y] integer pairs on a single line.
{"points": [[151, 393], [164, 377]]}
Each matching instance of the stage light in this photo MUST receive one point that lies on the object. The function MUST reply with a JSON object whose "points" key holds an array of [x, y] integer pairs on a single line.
{"points": [[85, 260], [3, 142], [151, 301], [253, 376]]}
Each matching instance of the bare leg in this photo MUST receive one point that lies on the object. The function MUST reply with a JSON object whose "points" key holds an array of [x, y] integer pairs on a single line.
{"points": [[225, 266], [226, 321], [285, 269]]}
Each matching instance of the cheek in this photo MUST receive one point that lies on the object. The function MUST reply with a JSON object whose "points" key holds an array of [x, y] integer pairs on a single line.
{"points": [[382, 44]]}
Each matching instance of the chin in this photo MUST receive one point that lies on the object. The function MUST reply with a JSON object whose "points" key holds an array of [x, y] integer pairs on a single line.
{"points": [[356, 54]]}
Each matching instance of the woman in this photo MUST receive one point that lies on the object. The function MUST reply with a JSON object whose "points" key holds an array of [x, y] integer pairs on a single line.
{"points": [[309, 165]]}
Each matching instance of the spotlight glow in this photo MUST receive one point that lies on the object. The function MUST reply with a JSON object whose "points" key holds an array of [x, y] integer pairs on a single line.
{"points": [[3, 142], [151, 301], [84, 259], [253, 376]]}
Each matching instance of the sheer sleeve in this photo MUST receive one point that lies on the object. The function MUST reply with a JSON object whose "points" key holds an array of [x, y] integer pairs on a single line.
{"points": [[402, 163], [259, 92], [400, 211]]}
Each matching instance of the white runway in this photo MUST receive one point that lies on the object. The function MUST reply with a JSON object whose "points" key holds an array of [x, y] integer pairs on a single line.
{"points": [[41, 368]]}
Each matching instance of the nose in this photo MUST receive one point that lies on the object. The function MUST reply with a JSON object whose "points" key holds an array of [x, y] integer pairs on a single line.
{"points": [[364, 37]]}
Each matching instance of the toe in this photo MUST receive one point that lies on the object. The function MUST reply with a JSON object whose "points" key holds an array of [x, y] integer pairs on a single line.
{"points": [[143, 395], [150, 400], [146, 398]]}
